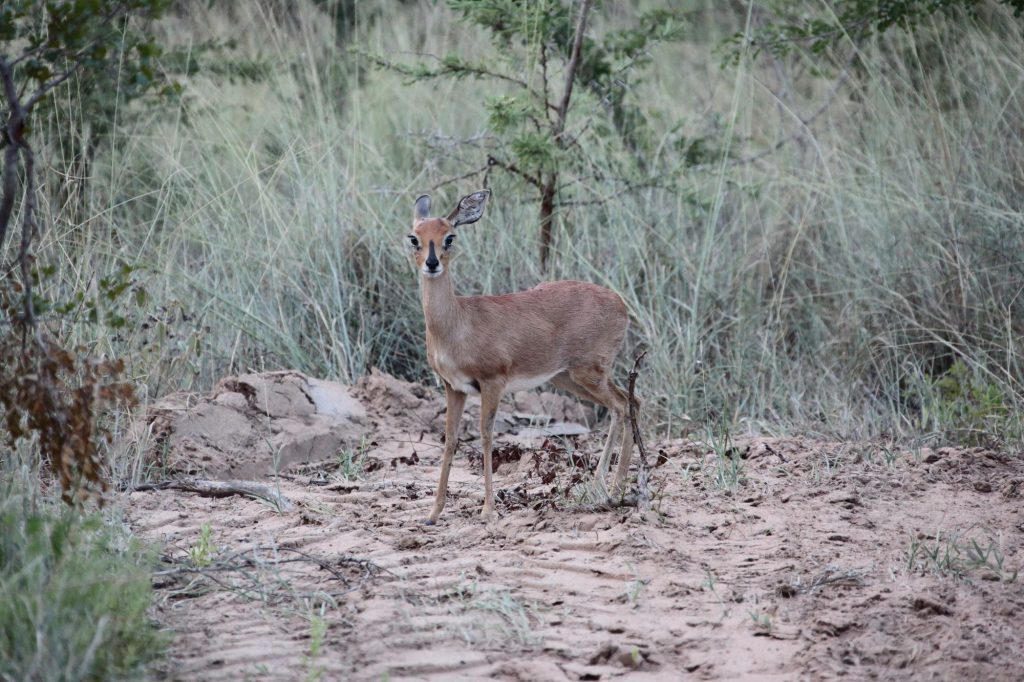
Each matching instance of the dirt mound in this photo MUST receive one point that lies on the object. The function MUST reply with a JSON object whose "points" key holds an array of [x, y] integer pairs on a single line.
{"points": [[255, 424], [401, 404], [250, 426]]}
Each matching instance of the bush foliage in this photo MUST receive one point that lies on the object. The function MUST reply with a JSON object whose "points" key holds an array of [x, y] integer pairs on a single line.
{"points": [[73, 595]]}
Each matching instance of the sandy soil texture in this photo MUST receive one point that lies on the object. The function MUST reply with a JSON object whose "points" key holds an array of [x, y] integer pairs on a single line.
{"points": [[758, 558]]}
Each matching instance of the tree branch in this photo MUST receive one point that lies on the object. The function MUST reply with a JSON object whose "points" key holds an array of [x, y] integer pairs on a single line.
{"points": [[28, 231], [465, 176], [512, 168], [548, 106], [220, 489], [570, 72], [12, 132], [805, 123], [50, 85], [447, 68]]}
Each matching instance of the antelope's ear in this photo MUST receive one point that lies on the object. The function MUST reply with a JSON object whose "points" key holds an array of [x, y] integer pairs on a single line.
{"points": [[470, 208], [421, 211]]}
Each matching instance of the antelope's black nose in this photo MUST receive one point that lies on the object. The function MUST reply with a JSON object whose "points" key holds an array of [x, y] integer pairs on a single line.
{"points": [[432, 261]]}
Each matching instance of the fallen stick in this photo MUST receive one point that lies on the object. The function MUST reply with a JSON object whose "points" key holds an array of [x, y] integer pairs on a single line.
{"points": [[220, 489]]}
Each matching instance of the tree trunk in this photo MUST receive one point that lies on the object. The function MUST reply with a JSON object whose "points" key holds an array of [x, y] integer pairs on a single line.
{"points": [[547, 210], [549, 188]]}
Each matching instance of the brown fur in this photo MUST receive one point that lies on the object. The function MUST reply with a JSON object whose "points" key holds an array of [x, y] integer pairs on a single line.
{"points": [[568, 332]]}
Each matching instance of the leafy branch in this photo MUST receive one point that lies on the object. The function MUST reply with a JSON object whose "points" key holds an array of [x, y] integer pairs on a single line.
{"points": [[853, 19]]}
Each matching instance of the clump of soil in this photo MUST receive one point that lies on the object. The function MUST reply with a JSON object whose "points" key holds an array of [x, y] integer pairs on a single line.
{"points": [[250, 426], [404, 404]]}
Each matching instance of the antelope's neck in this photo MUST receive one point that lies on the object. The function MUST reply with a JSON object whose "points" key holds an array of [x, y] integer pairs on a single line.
{"points": [[440, 308]]}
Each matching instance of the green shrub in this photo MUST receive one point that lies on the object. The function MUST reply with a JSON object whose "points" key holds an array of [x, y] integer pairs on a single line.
{"points": [[965, 404], [73, 595]]}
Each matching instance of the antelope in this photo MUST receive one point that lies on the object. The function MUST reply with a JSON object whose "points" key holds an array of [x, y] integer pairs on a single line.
{"points": [[567, 333]]}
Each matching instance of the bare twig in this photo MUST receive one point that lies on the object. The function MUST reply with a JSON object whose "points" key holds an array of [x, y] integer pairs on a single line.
{"points": [[642, 475], [633, 373], [244, 562], [625, 189], [642, 499], [805, 123], [465, 176], [220, 489], [512, 168]]}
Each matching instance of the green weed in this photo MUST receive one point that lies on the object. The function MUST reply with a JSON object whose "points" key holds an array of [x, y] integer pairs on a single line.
{"points": [[489, 616], [729, 470], [762, 621], [317, 635], [950, 555], [201, 552], [350, 464]]}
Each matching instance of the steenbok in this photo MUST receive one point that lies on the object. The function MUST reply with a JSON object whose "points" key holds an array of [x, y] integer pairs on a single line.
{"points": [[567, 333]]}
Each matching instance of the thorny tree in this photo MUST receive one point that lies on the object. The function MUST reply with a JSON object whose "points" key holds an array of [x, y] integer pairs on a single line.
{"points": [[544, 56]]}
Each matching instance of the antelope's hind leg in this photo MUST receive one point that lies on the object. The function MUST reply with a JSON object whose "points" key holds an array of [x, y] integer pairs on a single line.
{"points": [[456, 401], [598, 389], [490, 396]]}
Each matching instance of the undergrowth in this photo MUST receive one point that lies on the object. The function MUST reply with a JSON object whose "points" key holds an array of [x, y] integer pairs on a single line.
{"points": [[74, 591]]}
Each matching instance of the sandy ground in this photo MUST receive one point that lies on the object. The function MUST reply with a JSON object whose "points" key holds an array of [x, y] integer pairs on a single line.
{"points": [[758, 559]]}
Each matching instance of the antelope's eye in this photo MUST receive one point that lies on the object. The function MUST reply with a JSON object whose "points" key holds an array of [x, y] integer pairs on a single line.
{"points": [[415, 242], [449, 240]]}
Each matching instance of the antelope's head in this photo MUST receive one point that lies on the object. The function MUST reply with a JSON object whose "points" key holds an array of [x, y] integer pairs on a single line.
{"points": [[431, 240]]}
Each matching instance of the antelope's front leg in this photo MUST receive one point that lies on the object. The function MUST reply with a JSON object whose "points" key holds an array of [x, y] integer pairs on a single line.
{"points": [[455, 401], [490, 396]]}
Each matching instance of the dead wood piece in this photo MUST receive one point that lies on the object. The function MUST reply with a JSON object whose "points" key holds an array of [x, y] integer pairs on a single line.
{"points": [[221, 489]]}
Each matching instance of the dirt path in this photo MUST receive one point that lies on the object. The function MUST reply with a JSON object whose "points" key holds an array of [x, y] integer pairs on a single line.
{"points": [[775, 559]]}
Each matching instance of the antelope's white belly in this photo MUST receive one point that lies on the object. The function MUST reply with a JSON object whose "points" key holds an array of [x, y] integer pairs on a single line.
{"points": [[524, 382], [460, 381]]}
